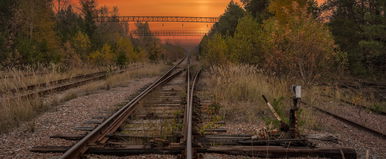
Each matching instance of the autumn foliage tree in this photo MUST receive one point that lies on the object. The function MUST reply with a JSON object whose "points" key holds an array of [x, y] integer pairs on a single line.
{"points": [[42, 32], [297, 44], [33, 35], [290, 42]]}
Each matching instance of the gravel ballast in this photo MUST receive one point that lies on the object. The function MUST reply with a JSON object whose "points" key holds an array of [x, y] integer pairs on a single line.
{"points": [[62, 119]]}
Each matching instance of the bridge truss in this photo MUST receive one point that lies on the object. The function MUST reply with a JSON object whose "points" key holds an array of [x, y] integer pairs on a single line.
{"points": [[157, 19], [169, 33]]}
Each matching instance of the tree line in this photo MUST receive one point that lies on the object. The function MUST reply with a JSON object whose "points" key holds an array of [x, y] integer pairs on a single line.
{"points": [[292, 37], [43, 32]]}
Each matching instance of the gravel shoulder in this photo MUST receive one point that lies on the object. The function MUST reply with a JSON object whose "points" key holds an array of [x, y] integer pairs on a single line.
{"points": [[62, 119], [349, 136]]}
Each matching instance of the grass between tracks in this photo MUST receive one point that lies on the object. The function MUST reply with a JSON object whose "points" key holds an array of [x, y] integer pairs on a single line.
{"points": [[14, 112]]}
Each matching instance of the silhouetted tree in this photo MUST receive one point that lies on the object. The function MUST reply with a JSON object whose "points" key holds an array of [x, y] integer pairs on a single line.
{"points": [[359, 28], [89, 13], [257, 8], [228, 21]]}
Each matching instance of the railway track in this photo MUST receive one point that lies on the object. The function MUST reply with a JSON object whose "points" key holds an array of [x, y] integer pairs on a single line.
{"points": [[46, 88], [51, 83], [348, 121], [24, 75], [163, 118], [345, 114], [163, 107], [378, 90]]}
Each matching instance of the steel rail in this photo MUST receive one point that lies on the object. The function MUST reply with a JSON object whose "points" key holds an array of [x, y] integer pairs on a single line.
{"points": [[45, 84], [100, 132], [62, 87], [187, 112], [60, 83], [24, 75], [347, 121], [189, 149], [359, 106]]}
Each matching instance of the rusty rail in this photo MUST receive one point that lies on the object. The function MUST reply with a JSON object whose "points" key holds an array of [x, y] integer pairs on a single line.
{"points": [[35, 86], [188, 118], [189, 149], [187, 144], [98, 135], [88, 76], [347, 121]]}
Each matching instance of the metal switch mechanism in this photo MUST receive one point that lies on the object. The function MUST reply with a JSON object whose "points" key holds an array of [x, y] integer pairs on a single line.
{"points": [[297, 91], [293, 111]]}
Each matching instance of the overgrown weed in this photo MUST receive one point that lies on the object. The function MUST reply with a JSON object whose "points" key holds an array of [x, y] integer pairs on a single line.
{"points": [[14, 112], [238, 89]]}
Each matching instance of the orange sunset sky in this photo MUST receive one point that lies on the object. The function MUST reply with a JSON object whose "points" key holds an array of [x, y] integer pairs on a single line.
{"points": [[197, 8]]}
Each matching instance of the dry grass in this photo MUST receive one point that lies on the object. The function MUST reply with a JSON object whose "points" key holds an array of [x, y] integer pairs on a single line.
{"points": [[149, 70], [14, 112], [29, 76], [362, 96], [239, 89]]}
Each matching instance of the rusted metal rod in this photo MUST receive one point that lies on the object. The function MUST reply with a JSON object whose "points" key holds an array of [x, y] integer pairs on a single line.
{"points": [[283, 125], [272, 109]]}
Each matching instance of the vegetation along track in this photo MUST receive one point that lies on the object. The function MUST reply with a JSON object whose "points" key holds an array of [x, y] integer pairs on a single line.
{"points": [[164, 118], [157, 119], [353, 123], [56, 85]]}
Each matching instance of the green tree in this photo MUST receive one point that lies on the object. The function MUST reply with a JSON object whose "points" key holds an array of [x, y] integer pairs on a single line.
{"points": [[226, 26], [82, 45], [89, 13], [104, 56], [149, 43], [68, 24], [359, 29], [125, 50], [215, 51], [36, 40], [203, 45], [346, 32], [257, 8], [108, 32], [7, 35], [245, 44]]}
